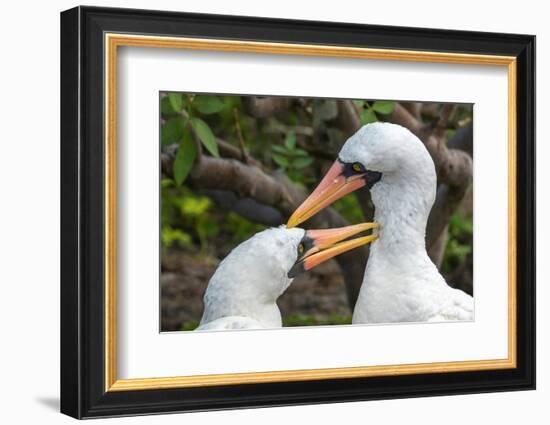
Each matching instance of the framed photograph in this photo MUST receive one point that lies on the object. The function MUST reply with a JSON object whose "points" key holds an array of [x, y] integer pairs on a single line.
{"points": [[261, 212]]}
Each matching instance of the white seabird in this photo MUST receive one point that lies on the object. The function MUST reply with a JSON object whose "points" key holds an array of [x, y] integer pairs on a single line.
{"points": [[401, 283], [243, 291]]}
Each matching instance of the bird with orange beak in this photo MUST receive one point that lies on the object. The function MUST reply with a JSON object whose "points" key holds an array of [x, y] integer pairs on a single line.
{"points": [[243, 291], [401, 283]]}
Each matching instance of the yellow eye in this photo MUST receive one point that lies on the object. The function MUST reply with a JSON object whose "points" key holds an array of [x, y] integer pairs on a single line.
{"points": [[358, 168], [301, 248]]}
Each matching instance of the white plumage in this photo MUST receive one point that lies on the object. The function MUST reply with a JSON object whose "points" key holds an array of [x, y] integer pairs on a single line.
{"points": [[243, 291], [231, 323], [401, 284]]}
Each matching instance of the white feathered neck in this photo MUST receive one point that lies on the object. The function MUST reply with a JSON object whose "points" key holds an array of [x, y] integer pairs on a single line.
{"points": [[406, 191], [250, 279], [401, 283]]}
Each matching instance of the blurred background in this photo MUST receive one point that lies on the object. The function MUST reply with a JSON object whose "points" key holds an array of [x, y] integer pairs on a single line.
{"points": [[235, 165]]}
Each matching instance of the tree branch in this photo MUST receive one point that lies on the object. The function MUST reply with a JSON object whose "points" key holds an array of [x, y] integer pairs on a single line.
{"points": [[415, 108], [436, 251], [463, 139], [454, 167], [227, 150], [245, 207], [348, 120], [264, 107]]}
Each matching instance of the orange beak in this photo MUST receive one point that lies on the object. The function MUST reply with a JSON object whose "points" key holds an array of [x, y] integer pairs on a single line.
{"points": [[333, 186], [318, 246]]}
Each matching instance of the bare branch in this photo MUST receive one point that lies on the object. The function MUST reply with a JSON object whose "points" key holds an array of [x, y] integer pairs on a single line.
{"points": [[245, 207], [275, 127], [441, 125], [244, 154], [463, 139], [227, 150], [437, 250], [404, 118], [232, 175], [454, 167], [348, 120], [415, 108], [264, 107]]}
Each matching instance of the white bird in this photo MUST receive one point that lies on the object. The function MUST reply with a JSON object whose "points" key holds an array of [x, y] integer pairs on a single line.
{"points": [[243, 291], [401, 283]]}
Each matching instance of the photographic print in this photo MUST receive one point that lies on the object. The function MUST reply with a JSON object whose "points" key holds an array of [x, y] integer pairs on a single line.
{"points": [[289, 211]]}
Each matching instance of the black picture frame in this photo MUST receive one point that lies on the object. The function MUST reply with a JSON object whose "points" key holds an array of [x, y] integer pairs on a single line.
{"points": [[82, 212]]}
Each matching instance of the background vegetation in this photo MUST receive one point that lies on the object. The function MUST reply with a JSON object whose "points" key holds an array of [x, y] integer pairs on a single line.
{"points": [[234, 165]]}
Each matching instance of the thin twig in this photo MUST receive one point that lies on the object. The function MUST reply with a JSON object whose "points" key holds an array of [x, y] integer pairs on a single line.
{"points": [[244, 154]]}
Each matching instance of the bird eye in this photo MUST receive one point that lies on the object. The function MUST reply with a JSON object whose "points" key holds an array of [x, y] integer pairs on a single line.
{"points": [[357, 167], [301, 248]]}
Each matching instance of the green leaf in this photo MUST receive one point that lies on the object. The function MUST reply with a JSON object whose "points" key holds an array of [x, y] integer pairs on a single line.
{"points": [[279, 149], [299, 152], [302, 162], [205, 135], [359, 103], [290, 140], [208, 104], [165, 106], [195, 206], [166, 183], [281, 160], [383, 106], [368, 116], [207, 227], [172, 131], [170, 236], [176, 101], [185, 157]]}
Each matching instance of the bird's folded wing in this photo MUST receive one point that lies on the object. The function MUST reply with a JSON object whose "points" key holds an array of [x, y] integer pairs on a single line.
{"points": [[459, 307], [230, 323]]}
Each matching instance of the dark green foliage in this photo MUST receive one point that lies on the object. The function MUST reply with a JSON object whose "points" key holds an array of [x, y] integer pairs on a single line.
{"points": [[189, 326], [383, 106], [208, 104], [205, 135], [193, 222], [459, 244], [181, 126], [369, 110], [290, 158], [309, 320], [172, 130], [240, 228], [176, 101], [349, 208], [185, 157]]}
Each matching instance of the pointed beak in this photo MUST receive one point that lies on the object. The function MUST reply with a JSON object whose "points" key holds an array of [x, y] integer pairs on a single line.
{"points": [[318, 246], [333, 187]]}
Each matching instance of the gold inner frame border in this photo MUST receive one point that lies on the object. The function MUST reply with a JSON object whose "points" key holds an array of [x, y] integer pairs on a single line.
{"points": [[113, 41]]}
